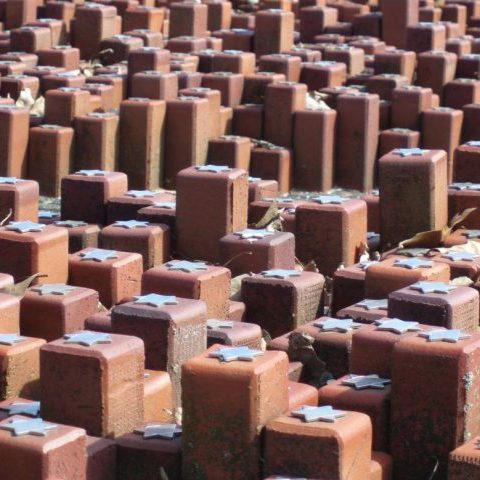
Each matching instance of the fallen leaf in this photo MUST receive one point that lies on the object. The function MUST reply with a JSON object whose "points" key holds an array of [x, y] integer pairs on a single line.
{"points": [[271, 214], [460, 217], [19, 289], [236, 286], [461, 281]]}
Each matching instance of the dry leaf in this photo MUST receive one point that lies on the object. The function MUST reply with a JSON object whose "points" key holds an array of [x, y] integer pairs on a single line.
{"points": [[25, 99], [19, 288], [236, 286], [270, 215], [434, 238], [462, 281], [314, 102], [470, 247], [38, 107], [311, 266]]}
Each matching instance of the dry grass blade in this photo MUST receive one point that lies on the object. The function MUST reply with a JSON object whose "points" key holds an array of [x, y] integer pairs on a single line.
{"points": [[5, 220]]}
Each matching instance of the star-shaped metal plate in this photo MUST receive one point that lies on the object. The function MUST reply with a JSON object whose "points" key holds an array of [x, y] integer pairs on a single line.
{"points": [[166, 431], [318, 414], [474, 143], [155, 300], [25, 227], [213, 168], [472, 234], [31, 426], [252, 234], [460, 256], [140, 193], [53, 289], [186, 266], [9, 180], [230, 354], [362, 382], [370, 304], [92, 173], [10, 338], [413, 263], [47, 214], [71, 223], [432, 287], [99, 255], [280, 273], [213, 323], [87, 338], [23, 408], [129, 224], [450, 336], [341, 325], [166, 205], [410, 152], [329, 199], [397, 326]]}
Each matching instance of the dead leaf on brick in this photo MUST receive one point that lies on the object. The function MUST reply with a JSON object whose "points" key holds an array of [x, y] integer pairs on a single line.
{"points": [[19, 289], [236, 286], [25, 99], [471, 246], [435, 238], [271, 214], [462, 281], [311, 266]]}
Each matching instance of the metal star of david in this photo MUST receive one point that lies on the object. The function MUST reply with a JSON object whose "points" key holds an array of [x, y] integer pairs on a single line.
{"points": [[167, 431], [213, 323], [252, 234], [362, 382], [24, 227], [472, 234], [342, 325], [92, 173], [70, 223], [412, 252], [460, 256], [23, 408], [450, 336], [99, 255], [329, 199], [409, 152], [10, 338], [9, 180], [140, 193], [34, 426], [280, 273], [47, 214], [129, 224], [460, 185], [213, 168], [87, 338], [366, 264], [370, 304], [398, 326], [413, 263], [53, 289], [318, 414], [432, 287], [254, 179], [230, 354], [155, 300], [186, 266], [474, 143], [167, 205]]}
